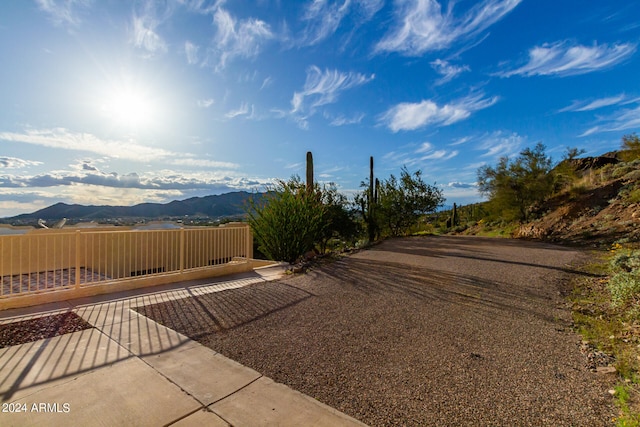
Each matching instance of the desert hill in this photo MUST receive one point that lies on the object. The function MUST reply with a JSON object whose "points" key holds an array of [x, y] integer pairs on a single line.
{"points": [[600, 207], [215, 206]]}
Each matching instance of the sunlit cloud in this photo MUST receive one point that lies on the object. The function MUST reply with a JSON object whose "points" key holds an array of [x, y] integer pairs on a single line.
{"points": [[129, 150], [191, 50], [566, 59], [204, 163], [447, 70], [500, 144], [424, 153], [266, 82], [145, 36], [323, 87], [594, 105], [158, 180], [427, 151], [205, 103], [63, 12], [460, 141], [619, 121], [412, 116], [422, 26], [322, 17], [344, 121], [244, 110], [15, 163], [235, 38]]}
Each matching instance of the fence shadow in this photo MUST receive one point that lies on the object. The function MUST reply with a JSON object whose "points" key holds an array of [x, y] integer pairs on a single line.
{"points": [[201, 315]]}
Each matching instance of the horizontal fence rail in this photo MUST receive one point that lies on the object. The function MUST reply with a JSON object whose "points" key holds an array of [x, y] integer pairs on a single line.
{"points": [[55, 260]]}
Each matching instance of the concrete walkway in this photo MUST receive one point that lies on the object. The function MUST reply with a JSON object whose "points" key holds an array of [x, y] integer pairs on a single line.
{"points": [[129, 370]]}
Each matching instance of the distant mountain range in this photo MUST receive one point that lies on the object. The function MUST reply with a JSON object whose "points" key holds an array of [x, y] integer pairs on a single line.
{"points": [[219, 206]]}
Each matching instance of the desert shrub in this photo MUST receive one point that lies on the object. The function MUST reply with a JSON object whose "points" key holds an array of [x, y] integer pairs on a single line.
{"points": [[634, 196], [634, 175], [624, 288], [622, 170], [629, 194], [624, 284], [288, 222]]}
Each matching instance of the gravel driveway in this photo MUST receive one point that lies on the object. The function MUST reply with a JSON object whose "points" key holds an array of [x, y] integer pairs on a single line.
{"points": [[416, 331]]}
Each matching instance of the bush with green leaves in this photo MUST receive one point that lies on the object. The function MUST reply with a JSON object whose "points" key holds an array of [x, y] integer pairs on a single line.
{"points": [[624, 284], [340, 224], [288, 221], [514, 186], [402, 202]]}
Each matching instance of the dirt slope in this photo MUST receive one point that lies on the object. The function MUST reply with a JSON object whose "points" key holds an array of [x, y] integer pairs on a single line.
{"points": [[601, 208]]}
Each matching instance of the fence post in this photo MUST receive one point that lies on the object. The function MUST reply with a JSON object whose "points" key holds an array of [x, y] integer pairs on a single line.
{"points": [[249, 243], [77, 259], [181, 250]]}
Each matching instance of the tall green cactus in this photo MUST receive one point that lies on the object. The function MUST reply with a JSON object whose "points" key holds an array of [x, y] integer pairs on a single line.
{"points": [[309, 172], [373, 198], [454, 216]]}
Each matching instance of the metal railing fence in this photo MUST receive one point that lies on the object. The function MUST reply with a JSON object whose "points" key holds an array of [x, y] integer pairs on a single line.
{"points": [[39, 262]]}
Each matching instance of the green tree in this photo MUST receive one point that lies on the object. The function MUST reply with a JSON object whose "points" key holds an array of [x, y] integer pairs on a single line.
{"points": [[401, 202], [289, 221], [564, 174], [339, 221], [513, 187], [630, 147]]}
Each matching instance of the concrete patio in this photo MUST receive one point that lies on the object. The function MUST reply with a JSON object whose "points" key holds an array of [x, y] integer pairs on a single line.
{"points": [[129, 370]]}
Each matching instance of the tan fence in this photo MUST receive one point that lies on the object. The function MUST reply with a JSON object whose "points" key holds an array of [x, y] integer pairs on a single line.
{"points": [[46, 261]]}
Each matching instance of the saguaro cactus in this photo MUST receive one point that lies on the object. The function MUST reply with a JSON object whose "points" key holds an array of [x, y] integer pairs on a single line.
{"points": [[372, 196], [309, 171], [454, 216]]}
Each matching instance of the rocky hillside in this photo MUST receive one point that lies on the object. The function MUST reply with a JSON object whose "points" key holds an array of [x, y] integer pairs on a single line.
{"points": [[600, 206]]}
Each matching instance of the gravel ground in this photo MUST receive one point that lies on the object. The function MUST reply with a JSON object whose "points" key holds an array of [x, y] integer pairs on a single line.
{"points": [[30, 330], [416, 331]]}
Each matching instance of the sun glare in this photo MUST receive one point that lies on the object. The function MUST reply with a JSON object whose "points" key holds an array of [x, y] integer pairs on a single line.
{"points": [[130, 107]]}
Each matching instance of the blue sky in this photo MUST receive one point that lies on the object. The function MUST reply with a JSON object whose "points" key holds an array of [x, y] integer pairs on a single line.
{"points": [[119, 102]]}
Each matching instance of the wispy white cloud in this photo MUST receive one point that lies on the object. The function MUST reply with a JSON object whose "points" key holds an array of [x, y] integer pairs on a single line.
{"points": [[412, 116], [204, 163], [424, 153], [427, 151], [64, 139], [322, 17], [191, 50], [145, 35], [130, 150], [205, 103], [63, 12], [15, 163], [422, 26], [500, 144], [566, 59], [596, 104], [238, 38], [268, 81], [323, 87], [618, 121], [462, 184], [447, 70], [244, 110], [343, 121], [462, 140]]}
